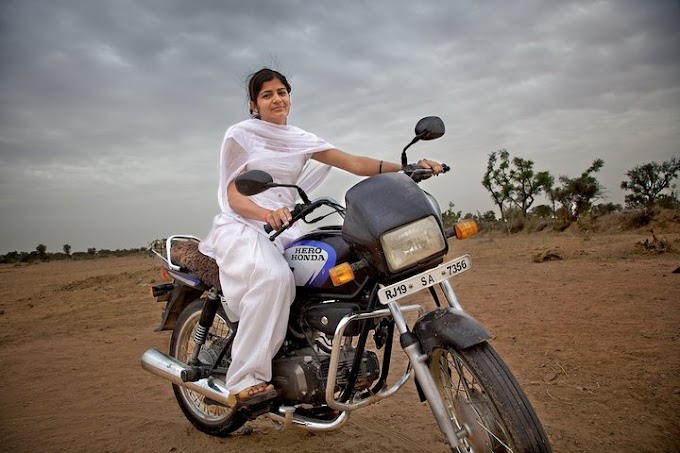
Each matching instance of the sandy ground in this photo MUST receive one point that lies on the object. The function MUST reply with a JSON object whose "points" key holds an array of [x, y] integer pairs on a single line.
{"points": [[593, 339]]}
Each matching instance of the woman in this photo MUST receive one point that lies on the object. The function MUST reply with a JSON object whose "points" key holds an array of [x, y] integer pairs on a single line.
{"points": [[256, 281]]}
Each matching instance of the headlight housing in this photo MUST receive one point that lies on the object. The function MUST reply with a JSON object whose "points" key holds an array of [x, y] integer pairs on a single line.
{"points": [[411, 243]]}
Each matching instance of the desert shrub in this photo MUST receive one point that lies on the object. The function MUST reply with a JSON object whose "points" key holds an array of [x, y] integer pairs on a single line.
{"points": [[536, 224], [604, 209], [654, 246], [637, 218], [541, 211], [560, 224], [668, 202]]}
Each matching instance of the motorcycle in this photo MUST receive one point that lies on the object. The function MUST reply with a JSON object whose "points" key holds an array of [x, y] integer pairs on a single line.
{"points": [[336, 357]]}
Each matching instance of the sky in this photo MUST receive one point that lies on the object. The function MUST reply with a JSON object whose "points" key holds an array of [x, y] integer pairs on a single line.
{"points": [[112, 112]]}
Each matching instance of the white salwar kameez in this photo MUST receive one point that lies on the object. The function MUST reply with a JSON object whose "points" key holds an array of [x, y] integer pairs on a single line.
{"points": [[257, 284]]}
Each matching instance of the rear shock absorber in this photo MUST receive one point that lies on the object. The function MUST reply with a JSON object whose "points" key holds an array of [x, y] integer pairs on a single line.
{"points": [[204, 324]]}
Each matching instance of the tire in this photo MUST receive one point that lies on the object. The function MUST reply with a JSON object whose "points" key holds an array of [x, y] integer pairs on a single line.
{"points": [[207, 416], [483, 397]]}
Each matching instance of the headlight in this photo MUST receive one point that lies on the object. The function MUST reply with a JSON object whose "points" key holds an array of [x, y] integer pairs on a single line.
{"points": [[408, 244]]}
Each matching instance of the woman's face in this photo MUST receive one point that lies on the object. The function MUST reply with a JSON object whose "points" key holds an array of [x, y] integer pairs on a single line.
{"points": [[273, 102]]}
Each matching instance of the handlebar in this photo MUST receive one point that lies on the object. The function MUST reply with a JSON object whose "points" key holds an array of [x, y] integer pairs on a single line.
{"points": [[414, 171], [418, 173], [301, 210]]}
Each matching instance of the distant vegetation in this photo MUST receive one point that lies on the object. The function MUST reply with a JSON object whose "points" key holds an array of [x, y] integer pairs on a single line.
{"points": [[41, 254], [514, 187]]}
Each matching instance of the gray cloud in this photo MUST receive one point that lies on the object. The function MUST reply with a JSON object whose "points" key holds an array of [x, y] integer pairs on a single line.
{"points": [[112, 112]]}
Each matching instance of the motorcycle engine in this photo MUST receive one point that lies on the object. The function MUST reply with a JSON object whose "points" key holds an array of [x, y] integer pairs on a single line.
{"points": [[301, 378]]}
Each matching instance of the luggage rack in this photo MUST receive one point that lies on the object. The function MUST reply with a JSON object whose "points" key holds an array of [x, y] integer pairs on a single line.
{"points": [[162, 249]]}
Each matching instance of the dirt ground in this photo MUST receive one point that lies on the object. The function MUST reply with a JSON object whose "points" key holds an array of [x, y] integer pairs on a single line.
{"points": [[592, 337]]}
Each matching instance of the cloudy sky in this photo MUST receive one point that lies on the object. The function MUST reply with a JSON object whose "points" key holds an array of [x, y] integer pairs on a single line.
{"points": [[112, 112]]}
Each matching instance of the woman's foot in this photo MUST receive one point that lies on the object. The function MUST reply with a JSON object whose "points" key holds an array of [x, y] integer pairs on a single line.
{"points": [[255, 394]]}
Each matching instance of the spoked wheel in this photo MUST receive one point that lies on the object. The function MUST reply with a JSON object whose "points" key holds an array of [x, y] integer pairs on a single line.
{"points": [[206, 415], [484, 399]]}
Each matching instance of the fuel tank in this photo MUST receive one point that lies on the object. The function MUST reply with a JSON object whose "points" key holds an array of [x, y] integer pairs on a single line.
{"points": [[312, 256]]}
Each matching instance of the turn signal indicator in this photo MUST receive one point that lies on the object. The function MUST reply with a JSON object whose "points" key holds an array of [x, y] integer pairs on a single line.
{"points": [[341, 274], [466, 228]]}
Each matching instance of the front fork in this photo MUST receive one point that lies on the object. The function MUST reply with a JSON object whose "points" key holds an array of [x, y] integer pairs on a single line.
{"points": [[419, 360]]}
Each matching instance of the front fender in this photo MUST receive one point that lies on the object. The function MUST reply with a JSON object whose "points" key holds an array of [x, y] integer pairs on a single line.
{"points": [[449, 327]]}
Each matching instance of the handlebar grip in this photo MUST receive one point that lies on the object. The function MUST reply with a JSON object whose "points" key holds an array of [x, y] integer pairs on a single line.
{"points": [[295, 212], [411, 169]]}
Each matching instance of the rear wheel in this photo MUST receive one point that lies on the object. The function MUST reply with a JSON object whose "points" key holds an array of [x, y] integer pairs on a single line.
{"points": [[206, 415], [483, 398]]}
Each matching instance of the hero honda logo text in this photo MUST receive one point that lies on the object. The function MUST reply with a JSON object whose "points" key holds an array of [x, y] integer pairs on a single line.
{"points": [[308, 254]]}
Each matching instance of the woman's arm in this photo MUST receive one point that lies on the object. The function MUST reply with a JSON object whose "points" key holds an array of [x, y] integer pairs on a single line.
{"points": [[365, 166], [249, 209]]}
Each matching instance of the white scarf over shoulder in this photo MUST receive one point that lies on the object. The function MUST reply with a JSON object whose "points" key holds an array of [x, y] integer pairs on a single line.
{"points": [[253, 139]]}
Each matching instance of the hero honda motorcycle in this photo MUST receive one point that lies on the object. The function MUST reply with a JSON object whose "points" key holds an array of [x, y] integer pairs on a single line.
{"points": [[336, 357]]}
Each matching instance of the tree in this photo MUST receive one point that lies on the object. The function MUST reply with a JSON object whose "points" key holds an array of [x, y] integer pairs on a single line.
{"points": [[527, 185], [42, 251], [605, 208], [67, 249], [576, 195], [514, 184], [497, 179], [542, 211], [91, 251], [486, 221], [450, 217], [11, 257], [648, 181]]}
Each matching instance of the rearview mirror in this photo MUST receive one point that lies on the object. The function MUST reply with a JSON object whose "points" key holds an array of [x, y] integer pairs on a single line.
{"points": [[253, 182], [430, 128]]}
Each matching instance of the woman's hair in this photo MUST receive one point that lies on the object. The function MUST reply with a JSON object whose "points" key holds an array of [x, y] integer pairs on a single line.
{"points": [[257, 79]]}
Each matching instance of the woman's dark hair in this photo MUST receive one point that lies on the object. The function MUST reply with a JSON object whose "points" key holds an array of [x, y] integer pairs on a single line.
{"points": [[257, 79]]}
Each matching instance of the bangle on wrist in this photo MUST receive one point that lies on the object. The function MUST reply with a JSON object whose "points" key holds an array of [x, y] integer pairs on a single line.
{"points": [[380, 167]]}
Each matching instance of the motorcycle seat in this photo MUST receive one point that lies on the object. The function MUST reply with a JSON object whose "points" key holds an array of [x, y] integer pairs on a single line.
{"points": [[187, 256]]}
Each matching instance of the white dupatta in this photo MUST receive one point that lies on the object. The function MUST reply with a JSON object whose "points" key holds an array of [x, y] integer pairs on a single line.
{"points": [[253, 139]]}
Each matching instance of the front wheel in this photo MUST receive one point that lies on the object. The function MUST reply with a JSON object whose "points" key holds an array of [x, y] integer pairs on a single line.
{"points": [[484, 399], [206, 415]]}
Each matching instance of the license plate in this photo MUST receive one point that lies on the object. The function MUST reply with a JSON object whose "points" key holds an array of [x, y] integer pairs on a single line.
{"points": [[424, 280]]}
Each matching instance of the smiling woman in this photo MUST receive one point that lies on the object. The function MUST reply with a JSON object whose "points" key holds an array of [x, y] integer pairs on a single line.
{"points": [[257, 283], [269, 93]]}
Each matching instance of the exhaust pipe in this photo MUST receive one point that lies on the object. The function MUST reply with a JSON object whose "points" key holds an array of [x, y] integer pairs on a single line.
{"points": [[155, 362]]}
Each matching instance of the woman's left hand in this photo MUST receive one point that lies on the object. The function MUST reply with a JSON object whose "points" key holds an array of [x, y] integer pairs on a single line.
{"points": [[435, 166]]}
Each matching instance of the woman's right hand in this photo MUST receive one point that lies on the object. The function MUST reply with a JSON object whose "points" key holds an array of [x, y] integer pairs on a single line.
{"points": [[278, 218]]}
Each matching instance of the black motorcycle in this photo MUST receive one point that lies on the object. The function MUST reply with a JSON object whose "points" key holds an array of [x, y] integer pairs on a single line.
{"points": [[337, 353]]}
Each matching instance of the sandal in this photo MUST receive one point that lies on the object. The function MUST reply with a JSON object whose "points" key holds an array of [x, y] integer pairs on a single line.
{"points": [[255, 394]]}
